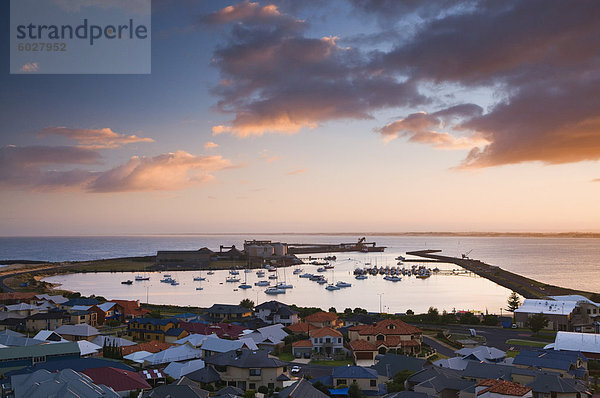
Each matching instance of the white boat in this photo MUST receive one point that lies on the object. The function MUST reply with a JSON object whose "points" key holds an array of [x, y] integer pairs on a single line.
{"points": [[343, 284], [322, 281], [297, 271], [142, 278], [306, 275], [284, 285], [199, 288], [321, 269], [262, 283], [332, 287], [167, 275], [210, 272], [400, 258], [244, 286], [199, 278], [260, 273], [234, 272], [175, 283], [361, 277], [232, 279], [274, 290]]}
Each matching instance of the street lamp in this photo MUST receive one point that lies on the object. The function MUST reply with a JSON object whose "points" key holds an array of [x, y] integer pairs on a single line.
{"points": [[380, 294]]}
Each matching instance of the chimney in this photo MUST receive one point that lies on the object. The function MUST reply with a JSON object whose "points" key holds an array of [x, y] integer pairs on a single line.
{"points": [[238, 353]]}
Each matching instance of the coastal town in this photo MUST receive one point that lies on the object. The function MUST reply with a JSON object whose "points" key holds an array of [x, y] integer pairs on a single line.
{"points": [[60, 343]]}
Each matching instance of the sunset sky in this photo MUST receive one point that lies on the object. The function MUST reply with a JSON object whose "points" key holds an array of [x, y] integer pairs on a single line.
{"points": [[317, 116]]}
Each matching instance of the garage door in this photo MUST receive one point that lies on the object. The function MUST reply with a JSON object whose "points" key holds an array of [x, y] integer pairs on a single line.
{"points": [[364, 355]]}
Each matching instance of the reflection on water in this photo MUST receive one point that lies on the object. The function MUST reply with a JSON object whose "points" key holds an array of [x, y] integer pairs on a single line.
{"points": [[441, 291]]}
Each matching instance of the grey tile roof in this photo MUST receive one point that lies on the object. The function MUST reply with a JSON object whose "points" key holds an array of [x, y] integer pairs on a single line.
{"points": [[545, 383], [18, 341], [83, 329], [354, 372], [229, 390], [302, 389], [179, 391], [245, 359], [407, 394], [204, 375], [39, 350], [66, 383], [390, 364]]}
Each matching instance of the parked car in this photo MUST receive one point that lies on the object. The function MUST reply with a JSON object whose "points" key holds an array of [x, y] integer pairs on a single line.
{"points": [[295, 369]]}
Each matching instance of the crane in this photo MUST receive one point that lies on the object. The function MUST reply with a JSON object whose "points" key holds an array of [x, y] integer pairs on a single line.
{"points": [[466, 255]]}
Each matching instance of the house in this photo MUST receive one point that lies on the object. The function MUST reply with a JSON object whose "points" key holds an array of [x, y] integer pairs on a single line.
{"points": [[78, 301], [42, 384], [490, 388], [129, 309], [268, 337], [323, 319], [150, 328], [366, 378], [248, 369], [9, 340], [301, 389], [152, 346], [187, 317], [565, 363], [76, 364], [327, 341], [47, 321], [21, 357], [177, 390], [585, 316], [112, 340], [440, 382], [179, 369], [23, 309], [17, 297], [78, 332], [88, 349], [302, 348], [56, 299], [273, 312], [223, 330], [174, 334], [587, 343], [552, 385], [214, 345], [389, 334], [299, 328], [231, 312], [204, 376], [83, 316], [390, 364], [564, 313], [154, 377], [481, 354], [178, 353], [123, 382], [49, 335]]}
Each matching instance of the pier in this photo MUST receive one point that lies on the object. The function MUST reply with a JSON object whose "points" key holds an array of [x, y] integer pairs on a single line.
{"points": [[526, 287], [313, 248]]}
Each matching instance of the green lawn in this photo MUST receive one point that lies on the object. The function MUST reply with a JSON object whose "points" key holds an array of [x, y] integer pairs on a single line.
{"points": [[528, 343], [511, 354], [333, 363], [286, 356]]}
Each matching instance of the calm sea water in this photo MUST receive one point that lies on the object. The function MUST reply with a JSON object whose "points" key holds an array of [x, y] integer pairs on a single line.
{"points": [[569, 262]]}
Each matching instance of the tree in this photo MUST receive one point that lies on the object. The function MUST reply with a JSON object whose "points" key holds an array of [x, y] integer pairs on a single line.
{"points": [[537, 322], [332, 309], [354, 391], [348, 311], [433, 314], [490, 320], [247, 303], [397, 383], [513, 302], [410, 312]]}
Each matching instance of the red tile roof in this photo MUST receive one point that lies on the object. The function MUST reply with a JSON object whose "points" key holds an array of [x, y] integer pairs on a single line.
{"points": [[302, 343], [131, 307], [299, 327], [326, 331], [150, 346], [222, 330], [117, 379], [503, 387], [396, 341], [321, 317], [17, 296], [362, 345], [386, 327]]}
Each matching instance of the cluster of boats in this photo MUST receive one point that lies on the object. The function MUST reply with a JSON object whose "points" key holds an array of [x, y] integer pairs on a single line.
{"points": [[394, 274], [167, 279]]}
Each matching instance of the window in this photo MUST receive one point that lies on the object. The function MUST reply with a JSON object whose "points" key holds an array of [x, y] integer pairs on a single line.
{"points": [[327, 340], [38, 359], [373, 383], [252, 386], [321, 340], [380, 337], [339, 382], [339, 340], [254, 372], [271, 386]]}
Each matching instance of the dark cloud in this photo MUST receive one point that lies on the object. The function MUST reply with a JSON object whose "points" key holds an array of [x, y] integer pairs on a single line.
{"points": [[275, 79], [539, 60]]}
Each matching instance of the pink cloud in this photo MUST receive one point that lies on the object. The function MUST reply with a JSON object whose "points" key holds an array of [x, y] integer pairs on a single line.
{"points": [[296, 172], [95, 138], [210, 145]]}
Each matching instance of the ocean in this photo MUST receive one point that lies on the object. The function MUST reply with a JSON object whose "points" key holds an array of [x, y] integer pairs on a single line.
{"points": [[568, 262]]}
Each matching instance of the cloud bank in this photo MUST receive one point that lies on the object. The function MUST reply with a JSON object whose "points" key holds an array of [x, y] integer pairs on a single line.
{"points": [[539, 58]]}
